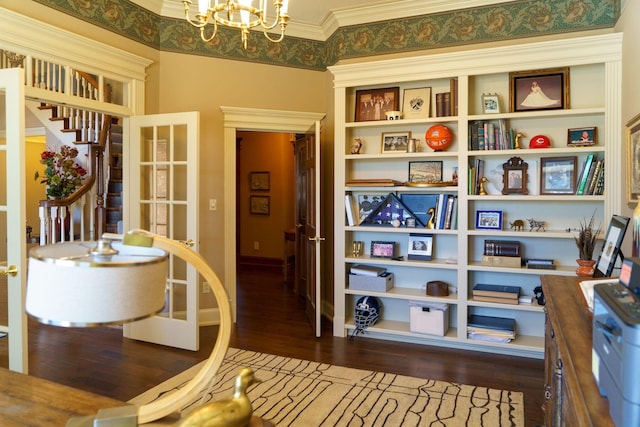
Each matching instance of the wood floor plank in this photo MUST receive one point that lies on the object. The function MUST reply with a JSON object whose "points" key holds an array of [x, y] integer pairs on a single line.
{"points": [[271, 320]]}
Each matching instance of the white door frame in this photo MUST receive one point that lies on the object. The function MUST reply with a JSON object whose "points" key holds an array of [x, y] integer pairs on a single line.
{"points": [[250, 119]]}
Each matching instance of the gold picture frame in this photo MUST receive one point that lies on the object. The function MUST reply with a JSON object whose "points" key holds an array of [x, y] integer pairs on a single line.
{"points": [[632, 131]]}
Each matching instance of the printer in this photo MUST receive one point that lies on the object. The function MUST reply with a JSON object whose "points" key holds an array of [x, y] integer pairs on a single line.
{"points": [[616, 343]]}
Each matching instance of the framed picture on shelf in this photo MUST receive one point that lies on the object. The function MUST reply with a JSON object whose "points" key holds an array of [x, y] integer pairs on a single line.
{"points": [[632, 130], [558, 175], [582, 136], [382, 249], [259, 205], [429, 171], [515, 176], [368, 202], [490, 103], [371, 104], [416, 103], [489, 220], [420, 247], [539, 90], [395, 142], [259, 181]]}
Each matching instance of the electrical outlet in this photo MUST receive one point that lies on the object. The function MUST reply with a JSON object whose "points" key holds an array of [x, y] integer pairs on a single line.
{"points": [[256, 246], [206, 288]]}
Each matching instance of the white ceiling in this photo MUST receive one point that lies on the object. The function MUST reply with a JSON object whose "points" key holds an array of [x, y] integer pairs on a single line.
{"points": [[318, 19]]}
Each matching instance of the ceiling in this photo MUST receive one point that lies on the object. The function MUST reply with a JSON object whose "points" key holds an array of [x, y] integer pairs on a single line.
{"points": [[318, 19]]}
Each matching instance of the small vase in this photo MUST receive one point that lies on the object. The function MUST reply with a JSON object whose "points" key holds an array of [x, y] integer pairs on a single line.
{"points": [[585, 268]]}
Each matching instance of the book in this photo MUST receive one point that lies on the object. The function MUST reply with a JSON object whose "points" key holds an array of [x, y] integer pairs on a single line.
{"points": [[496, 299], [585, 174], [446, 104], [594, 179], [502, 291], [453, 89], [491, 323], [440, 209], [367, 270], [502, 247], [439, 105], [372, 182], [541, 266]]}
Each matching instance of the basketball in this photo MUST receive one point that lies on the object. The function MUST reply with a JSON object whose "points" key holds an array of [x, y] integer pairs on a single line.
{"points": [[438, 137]]}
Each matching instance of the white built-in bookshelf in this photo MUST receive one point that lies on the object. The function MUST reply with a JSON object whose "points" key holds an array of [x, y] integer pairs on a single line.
{"points": [[594, 91]]}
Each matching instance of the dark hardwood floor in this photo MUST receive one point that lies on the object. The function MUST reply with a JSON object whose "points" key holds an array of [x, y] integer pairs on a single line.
{"points": [[271, 320]]}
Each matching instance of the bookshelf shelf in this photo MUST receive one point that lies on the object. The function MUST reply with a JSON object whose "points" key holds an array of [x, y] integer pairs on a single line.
{"points": [[594, 64]]}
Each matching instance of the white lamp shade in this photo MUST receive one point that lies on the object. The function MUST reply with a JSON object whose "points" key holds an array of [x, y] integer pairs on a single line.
{"points": [[68, 286]]}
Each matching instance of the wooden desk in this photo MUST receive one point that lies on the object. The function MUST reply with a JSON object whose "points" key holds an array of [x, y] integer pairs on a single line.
{"points": [[31, 401], [571, 394]]}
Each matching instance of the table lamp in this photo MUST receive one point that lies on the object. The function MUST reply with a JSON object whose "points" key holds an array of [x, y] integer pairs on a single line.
{"points": [[115, 280]]}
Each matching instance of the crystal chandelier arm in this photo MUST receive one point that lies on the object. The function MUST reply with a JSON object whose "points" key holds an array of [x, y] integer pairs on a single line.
{"points": [[178, 399]]}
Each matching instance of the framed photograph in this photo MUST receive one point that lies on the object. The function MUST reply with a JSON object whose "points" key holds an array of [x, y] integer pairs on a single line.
{"points": [[416, 103], [425, 171], [368, 202], [632, 130], [579, 137], [259, 205], [489, 220], [490, 103], [395, 142], [259, 181], [371, 104], [539, 90], [558, 175], [420, 246], [515, 176], [382, 249]]}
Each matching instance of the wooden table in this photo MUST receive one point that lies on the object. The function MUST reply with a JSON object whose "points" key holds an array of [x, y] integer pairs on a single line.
{"points": [[572, 397], [31, 401]]}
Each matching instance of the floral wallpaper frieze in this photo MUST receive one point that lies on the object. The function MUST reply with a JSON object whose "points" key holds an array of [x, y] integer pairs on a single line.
{"points": [[514, 20]]}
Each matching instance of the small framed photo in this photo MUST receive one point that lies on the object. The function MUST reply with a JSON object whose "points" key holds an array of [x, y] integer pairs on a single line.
{"points": [[259, 181], [371, 104], [383, 249], [558, 175], [539, 90], [515, 176], [259, 205], [632, 130], [489, 220], [416, 103], [490, 103], [425, 171], [420, 246], [395, 142], [579, 137]]}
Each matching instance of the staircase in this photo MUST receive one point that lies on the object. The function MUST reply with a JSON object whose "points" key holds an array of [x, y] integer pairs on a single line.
{"points": [[114, 182]]}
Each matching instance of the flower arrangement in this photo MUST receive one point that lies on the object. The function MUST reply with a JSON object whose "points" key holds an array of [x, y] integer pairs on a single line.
{"points": [[62, 174], [586, 238]]}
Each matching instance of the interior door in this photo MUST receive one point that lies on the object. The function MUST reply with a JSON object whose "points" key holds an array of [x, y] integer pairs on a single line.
{"points": [[13, 320], [163, 165], [308, 228]]}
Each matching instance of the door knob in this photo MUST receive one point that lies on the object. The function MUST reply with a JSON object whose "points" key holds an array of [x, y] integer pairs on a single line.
{"points": [[12, 271]]}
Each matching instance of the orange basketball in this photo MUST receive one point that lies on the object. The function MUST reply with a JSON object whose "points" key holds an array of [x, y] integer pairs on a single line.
{"points": [[438, 137]]}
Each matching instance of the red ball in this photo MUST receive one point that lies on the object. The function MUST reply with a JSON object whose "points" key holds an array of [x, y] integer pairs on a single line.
{"points": [[438, 137]]}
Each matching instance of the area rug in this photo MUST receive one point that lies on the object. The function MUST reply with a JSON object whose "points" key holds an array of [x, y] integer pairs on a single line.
{"points": [[297, 392]]}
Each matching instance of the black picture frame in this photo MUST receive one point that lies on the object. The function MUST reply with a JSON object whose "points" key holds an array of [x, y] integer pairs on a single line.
{"points": [[259, 205], [371, 104], [488, 220], [558, 175], [420, 247], [546, 89], [611, 246], [380, 249]]}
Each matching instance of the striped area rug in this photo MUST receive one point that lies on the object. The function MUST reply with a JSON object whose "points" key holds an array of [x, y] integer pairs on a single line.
{"points": [[297, 392]]}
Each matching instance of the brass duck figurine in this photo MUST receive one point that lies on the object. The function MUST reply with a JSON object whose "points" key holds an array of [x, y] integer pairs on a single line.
{"points": [[234, 412]]}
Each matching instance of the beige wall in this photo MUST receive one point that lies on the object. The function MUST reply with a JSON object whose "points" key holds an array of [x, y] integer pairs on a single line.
{"points": [[273, 153]]}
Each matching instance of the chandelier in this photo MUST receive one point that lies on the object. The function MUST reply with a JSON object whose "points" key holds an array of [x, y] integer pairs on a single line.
{"points": [[240, 14]]}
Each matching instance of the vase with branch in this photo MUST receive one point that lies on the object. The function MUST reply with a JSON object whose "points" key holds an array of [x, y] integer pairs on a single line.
{"points": [[586, 238]]}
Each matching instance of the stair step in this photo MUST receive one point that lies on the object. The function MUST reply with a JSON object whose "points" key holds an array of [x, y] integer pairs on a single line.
{"points": [[114, 187], [113, 216], [116, 138], [115, 173], [111, 227]]}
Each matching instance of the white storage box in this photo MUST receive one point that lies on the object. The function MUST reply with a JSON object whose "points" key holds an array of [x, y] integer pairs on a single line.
{"points": [[429, 318], [381, 283]]}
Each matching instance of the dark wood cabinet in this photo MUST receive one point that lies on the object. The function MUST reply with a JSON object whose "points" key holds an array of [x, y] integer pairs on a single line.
{"points": [[572, 397]]}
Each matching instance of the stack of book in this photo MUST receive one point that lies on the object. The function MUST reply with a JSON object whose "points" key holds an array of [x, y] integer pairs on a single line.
{"points": [[591, 178], [502, 253], [502, 294], [542, 264], [446, 215], [490, 328]]}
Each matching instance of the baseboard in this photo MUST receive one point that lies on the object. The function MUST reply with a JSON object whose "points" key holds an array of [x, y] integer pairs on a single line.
{"points": [[209, 317], [260, 261]]}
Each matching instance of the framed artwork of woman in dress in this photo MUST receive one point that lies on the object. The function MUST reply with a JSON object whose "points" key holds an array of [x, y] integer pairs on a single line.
{"points": [[539, 90]]}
